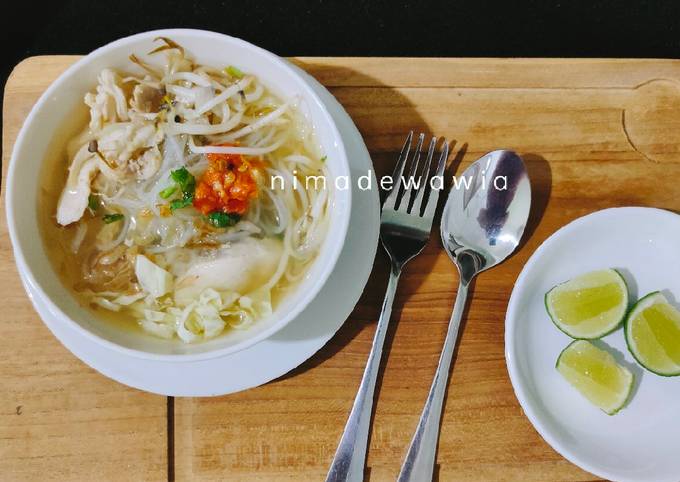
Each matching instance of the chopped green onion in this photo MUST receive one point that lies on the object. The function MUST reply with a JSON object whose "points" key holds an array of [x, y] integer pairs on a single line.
{"points": [[180, 176], [112, 218], [185, 180], [92, 202], [187, 183], [220, 219], [234, 72], [323, 159], [180, 203], [167, 192]]}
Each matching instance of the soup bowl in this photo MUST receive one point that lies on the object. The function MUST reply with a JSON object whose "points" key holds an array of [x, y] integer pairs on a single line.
{"points": [[50, 124]]}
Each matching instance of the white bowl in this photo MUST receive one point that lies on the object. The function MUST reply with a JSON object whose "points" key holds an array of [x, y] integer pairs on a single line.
{"points": [[46, 121], [640, 443]]}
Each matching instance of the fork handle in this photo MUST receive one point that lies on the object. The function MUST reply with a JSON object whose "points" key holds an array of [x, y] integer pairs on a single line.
{"points": [[420, 458], [350, 456]]}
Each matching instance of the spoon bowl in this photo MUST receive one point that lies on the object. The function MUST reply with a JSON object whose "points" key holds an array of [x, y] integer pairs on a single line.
{"points": [[486, 212], [482, 224]]}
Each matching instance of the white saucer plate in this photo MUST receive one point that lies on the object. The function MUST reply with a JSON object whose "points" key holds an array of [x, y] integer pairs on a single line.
{"points": [[641, 442], [288, 348]]}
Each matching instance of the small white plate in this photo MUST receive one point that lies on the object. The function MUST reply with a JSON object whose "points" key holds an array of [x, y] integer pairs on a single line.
{"points": [[642, 442], [288, 348]]}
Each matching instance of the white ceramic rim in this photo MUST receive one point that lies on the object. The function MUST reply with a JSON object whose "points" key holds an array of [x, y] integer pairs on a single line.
{"points": [[510, 356], [20, 258]]}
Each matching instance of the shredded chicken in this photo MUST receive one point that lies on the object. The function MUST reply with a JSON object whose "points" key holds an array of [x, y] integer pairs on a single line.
{"points": [[122, 142], [129, 140], [74, 197], [146, 165], [108, 104]]}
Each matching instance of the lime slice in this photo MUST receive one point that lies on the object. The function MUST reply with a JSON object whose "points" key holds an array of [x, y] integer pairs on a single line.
{"points": [[589, 306], [595, 373], [653, 335]]}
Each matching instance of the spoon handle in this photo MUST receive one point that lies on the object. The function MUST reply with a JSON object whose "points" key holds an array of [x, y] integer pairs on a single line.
{"points": [[420, 458], [350, 456]]}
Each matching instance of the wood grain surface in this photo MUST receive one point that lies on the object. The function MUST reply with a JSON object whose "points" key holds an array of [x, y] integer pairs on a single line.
{"points": [[594, 134], [59, 419]]}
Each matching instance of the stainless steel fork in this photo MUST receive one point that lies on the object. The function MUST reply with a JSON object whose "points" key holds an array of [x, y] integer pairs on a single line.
{"points": [[405, 225]]}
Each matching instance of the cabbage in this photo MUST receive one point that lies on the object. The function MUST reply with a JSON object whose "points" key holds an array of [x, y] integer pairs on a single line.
{"points": [[126, 300], [154, 279], [201, 317], [104, 303], [157, 323], [255, 305]]}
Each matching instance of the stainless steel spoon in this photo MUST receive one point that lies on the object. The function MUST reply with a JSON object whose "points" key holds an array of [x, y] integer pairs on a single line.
{"points": [[482, 223]]}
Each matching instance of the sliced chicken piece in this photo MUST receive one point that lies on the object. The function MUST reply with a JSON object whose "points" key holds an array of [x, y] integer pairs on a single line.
{"points": [[146, 165], [108, 104], [124, 141], [74, 198], [241, 267]]}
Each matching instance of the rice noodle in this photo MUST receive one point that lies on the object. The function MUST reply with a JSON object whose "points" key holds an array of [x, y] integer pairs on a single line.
{"points": [[121, 234], [248, 151], [81, 231], [263, 121], [222, 97], [174, 128], [189, 77]]}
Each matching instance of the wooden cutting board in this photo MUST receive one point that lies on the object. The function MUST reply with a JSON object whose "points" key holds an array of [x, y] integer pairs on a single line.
{"points": [[594, 133]]}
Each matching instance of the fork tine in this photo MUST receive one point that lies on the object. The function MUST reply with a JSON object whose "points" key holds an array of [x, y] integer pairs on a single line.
{"points": [[425, 178], [416, 156], [391, 199], [408, 191], [442, 160], [434, 193], [403, 155]]}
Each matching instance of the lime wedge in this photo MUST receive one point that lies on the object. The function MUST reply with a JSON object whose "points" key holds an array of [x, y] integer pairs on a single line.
{"points": [[595, 373], [589, 306], [653, 335]]}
